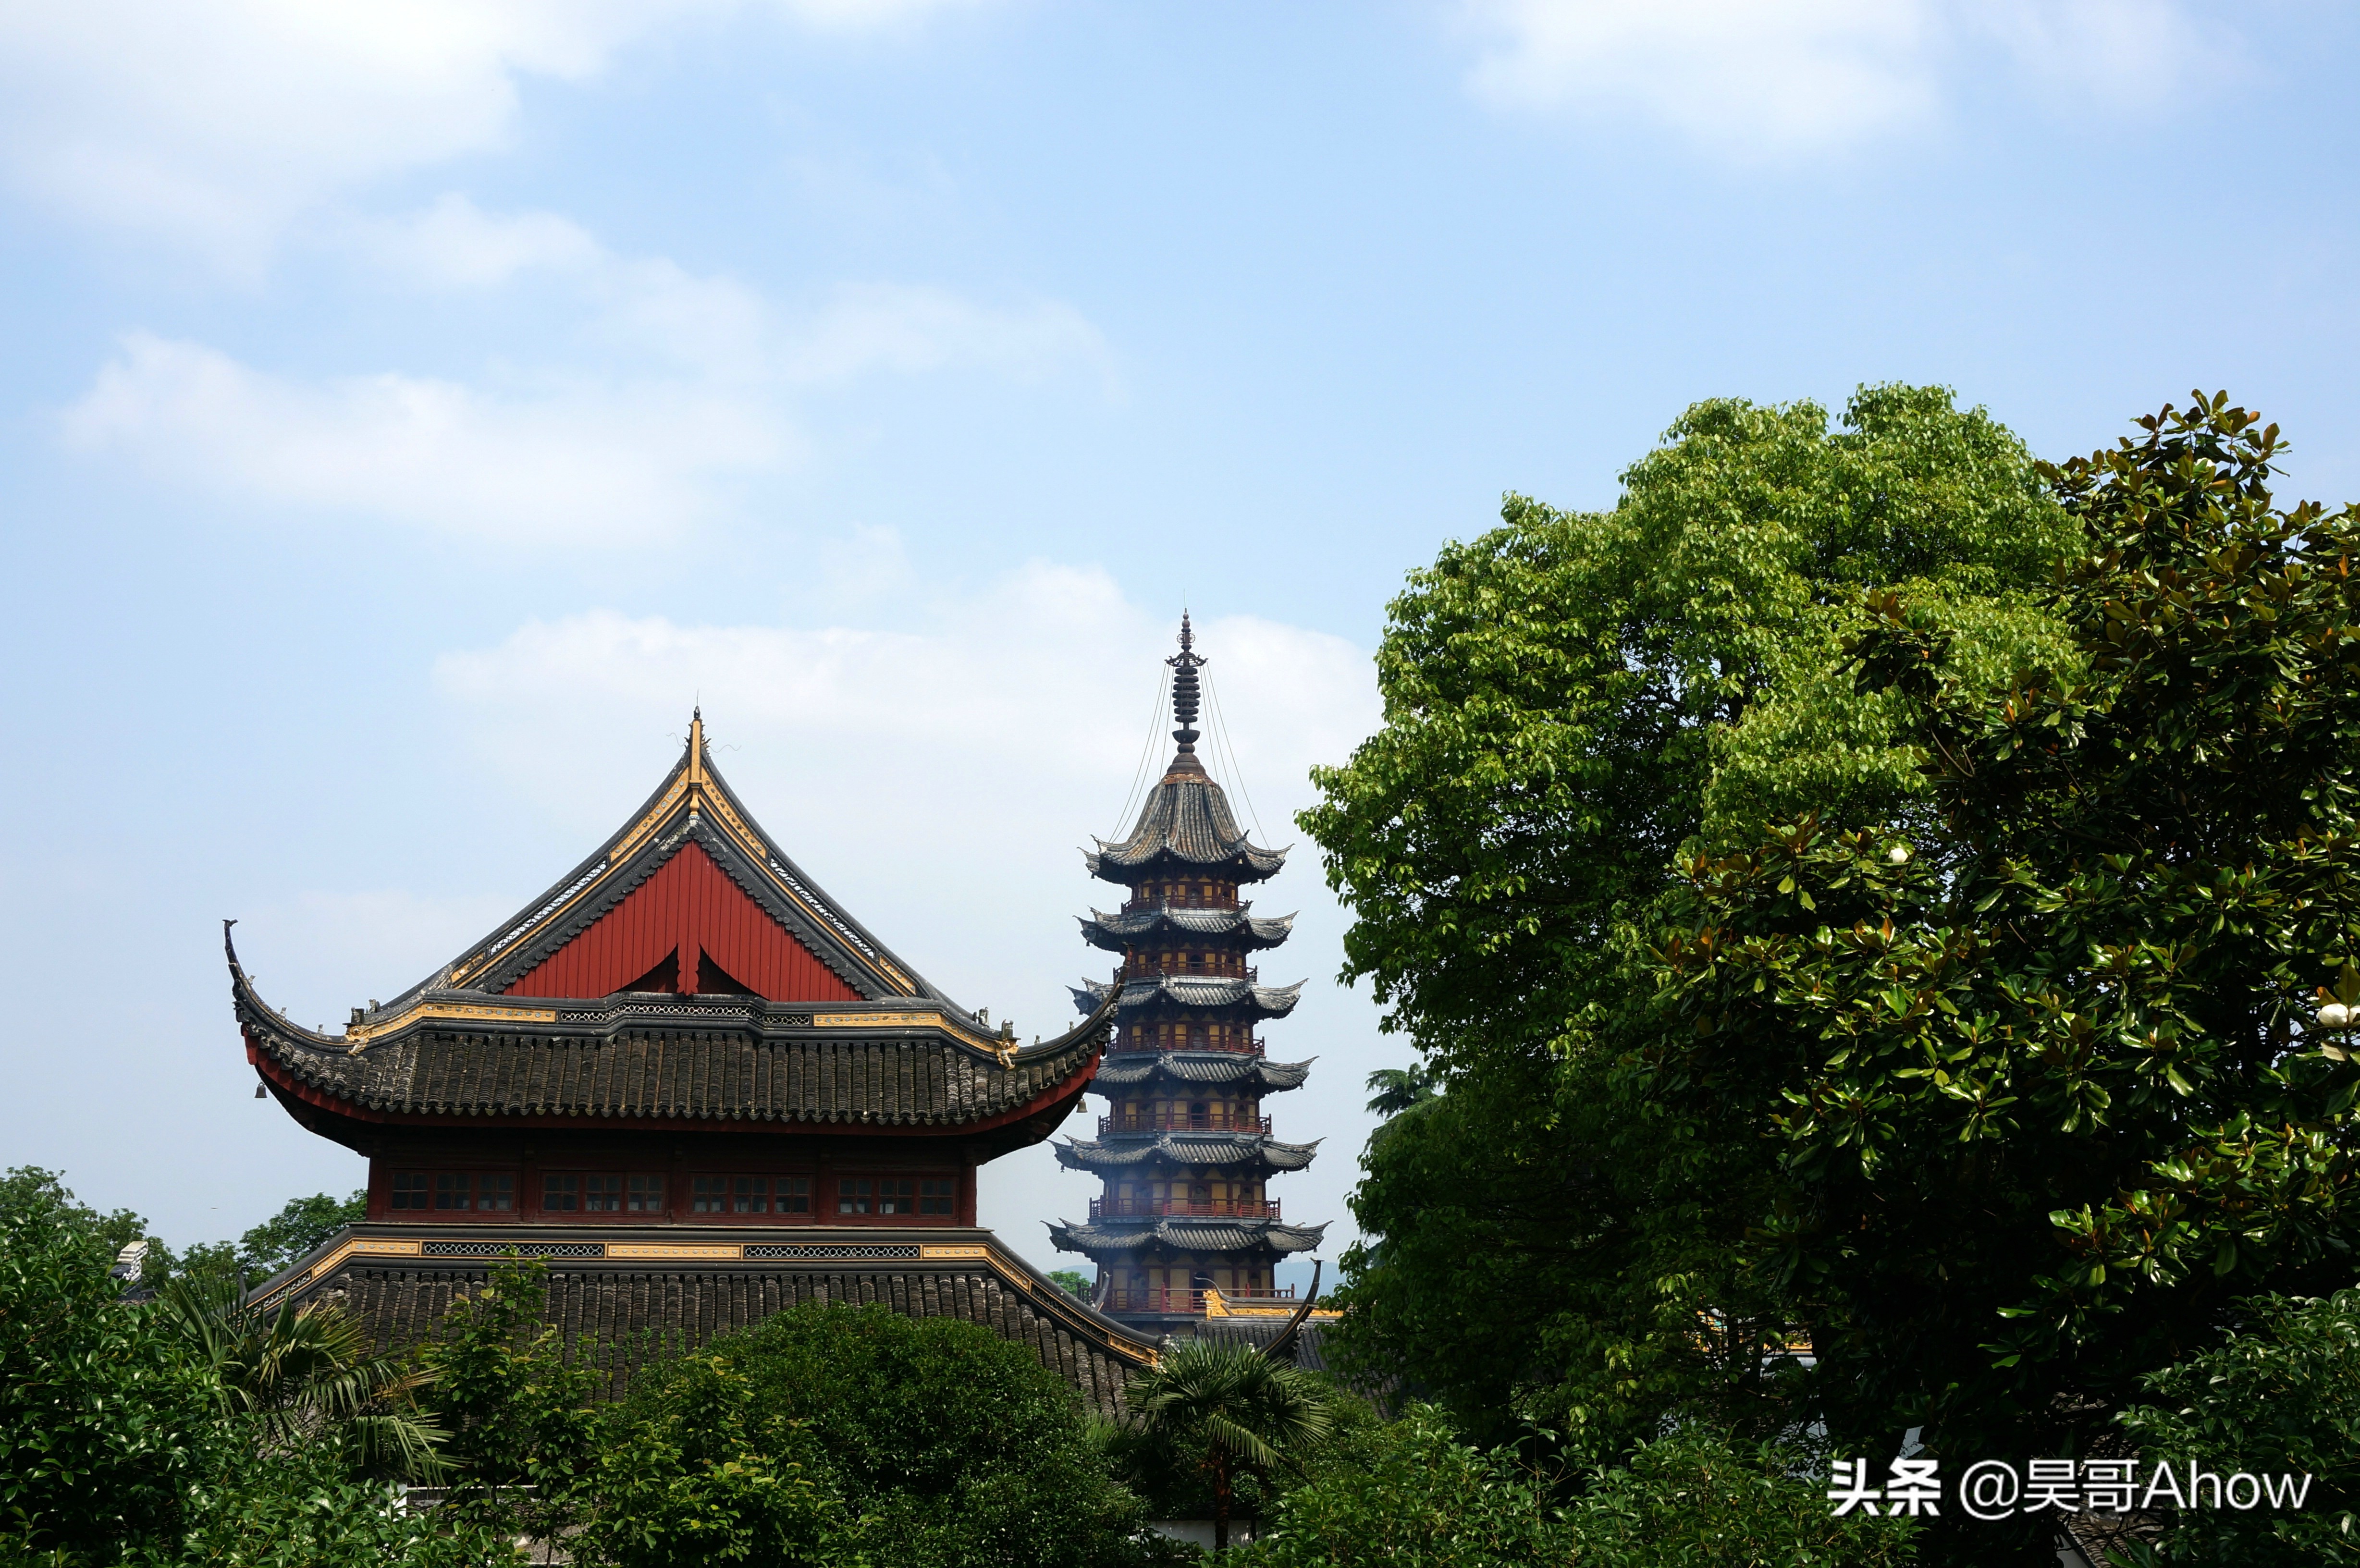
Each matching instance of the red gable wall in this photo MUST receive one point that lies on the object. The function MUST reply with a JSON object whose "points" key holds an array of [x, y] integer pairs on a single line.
{"points": [[689, 908]]}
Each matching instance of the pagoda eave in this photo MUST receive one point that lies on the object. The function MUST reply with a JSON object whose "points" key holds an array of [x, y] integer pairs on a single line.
{"points": [[1201, 1068], [1205, 1150], [358, 1125], [1116, 933], [1203, 992], [1185, 1236]]}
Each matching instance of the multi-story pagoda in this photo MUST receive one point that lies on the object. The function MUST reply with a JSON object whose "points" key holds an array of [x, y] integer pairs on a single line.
{"points": [[692, 1081], [1185, 1150]]}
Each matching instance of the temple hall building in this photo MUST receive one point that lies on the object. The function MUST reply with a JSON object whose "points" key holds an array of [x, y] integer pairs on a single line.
{"points": [[703, 1091], [1186, 1226]]}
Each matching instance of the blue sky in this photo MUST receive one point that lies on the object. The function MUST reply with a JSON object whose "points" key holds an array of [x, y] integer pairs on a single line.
{"points": [[409, 410]]}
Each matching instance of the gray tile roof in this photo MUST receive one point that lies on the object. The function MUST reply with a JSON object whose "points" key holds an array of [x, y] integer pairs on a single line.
{"points": [[1211, 1067], [1205, 1148], [720, 1059], [1118, 932], [1192, 991], [1185, 824], [402, 1300], [1186, 1236]]}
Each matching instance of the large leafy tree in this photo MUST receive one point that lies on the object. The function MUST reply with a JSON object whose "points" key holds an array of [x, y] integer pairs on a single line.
{"points": [[105, 1419], [1568, 700], [2039, 1065]]}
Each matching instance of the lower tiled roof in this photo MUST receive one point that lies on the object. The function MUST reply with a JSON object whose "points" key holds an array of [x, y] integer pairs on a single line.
{"points": [[1211, 1067], [1187, 1148], [402, 1300], [1191, 991], [1186, 1236]]}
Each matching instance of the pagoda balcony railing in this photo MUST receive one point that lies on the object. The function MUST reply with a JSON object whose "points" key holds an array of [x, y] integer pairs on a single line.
{"points": [[1227, 1208], [1181, 1121], [1251, 973], [1173, 1300], [1191, 899], [1127, 1043]]}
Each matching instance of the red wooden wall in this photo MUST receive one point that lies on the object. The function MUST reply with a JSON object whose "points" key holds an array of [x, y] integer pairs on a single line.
{"points": [[688, 908]]}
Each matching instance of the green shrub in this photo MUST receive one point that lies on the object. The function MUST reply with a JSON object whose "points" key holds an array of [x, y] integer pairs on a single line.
{"points": [[103, 1417], [117, 1444], [2284, 1397], [703, 1474], [1426, 1500], [304, 1510], [836, 1431]]}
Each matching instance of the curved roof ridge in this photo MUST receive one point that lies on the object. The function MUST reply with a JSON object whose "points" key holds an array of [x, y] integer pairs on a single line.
{"points": [[693, 802]]}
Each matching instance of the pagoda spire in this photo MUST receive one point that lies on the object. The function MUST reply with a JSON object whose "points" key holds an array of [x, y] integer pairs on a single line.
{"points": [[1184, 665]]}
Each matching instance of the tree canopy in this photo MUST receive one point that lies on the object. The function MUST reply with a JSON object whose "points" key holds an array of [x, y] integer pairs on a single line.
{"points": [[1888, 912], [1568, 700]]}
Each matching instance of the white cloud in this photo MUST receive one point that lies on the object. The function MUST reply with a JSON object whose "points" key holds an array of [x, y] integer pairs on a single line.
{"points": [[455, 244], [697, 385], [217, 124], [1767, 78], [719, 323], [897, 327], [577, 464], [938, 777], [2119, 53]]}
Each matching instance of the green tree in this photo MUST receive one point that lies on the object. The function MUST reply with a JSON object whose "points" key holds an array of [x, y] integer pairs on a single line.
{"points": [[1421, 1499], [946, 1445], [1569, 699], [519, 1414], [257, 1503], [104, 1417], [302, 1225], [703, 1474], [2282, 1395], [274, 1245], [126, 1439], [30, 1191], [1073, 1281], [2036, 1070], [1221, 1410], [1427, 1499]]}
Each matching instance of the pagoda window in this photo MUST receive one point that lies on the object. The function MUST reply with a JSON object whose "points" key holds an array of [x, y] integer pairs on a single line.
{"points": [[412, 1190], [560, 1195], [602, 1194], [794, 1195], [855, 1196], [897, 1195], [937, 1194], [495, 1191], [709, 1194], [749, 1194], [645, 1196], [1199, 1115], [453, 1190]]}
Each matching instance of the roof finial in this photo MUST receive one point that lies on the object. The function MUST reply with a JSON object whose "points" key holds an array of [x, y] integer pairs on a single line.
{"points": [[1183, 687], [696, 744]]}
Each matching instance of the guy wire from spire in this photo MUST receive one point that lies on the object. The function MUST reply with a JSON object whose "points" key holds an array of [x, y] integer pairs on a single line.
{"points": [[1146, 758], [1237, 770]]}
